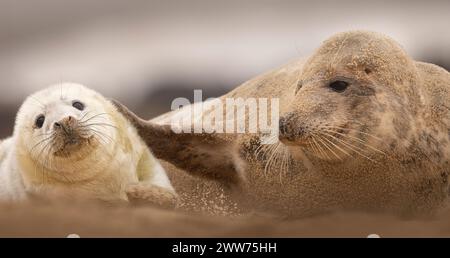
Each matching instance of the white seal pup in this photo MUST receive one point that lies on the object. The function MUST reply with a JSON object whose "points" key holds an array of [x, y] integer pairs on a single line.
{"points": [[70, 140], [362, 127]]}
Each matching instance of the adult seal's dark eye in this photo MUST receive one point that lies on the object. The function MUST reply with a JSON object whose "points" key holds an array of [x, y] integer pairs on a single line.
{"points": [[40, 121], [78, 105], [338, 86]]}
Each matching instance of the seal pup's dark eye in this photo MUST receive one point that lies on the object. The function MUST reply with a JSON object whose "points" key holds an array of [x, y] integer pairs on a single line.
{"points": [[338, 86], [78, 105], [40, 121]]}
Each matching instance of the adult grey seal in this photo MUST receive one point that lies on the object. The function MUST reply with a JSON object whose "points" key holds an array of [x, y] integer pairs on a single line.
{"points": [[363, 127]]}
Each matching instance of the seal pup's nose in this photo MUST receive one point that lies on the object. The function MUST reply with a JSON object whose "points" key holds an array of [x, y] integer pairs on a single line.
{"points": [[66, 123]]}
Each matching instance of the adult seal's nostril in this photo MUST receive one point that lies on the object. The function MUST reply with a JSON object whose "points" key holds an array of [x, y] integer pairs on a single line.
{"points": [[285, 136], [301, 131], [57, 125], [282, 126]]}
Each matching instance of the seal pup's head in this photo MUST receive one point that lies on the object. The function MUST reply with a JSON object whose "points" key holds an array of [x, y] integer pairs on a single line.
{"points": [[355, 96], [61, 129]]}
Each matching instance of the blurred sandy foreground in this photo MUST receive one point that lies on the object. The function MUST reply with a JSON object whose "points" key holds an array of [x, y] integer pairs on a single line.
{"points": [[205, 212]]}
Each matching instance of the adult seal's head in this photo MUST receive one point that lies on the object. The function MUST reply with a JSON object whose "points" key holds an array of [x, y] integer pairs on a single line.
{"points": [[357, 88], [63, 129]]}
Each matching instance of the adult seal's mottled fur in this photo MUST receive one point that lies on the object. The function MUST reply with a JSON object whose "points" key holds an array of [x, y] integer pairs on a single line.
{"points": [[363, 127], [70, 141]]}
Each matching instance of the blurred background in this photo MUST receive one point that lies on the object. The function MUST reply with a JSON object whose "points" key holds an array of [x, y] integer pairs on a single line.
{"points": [[146, 53]]}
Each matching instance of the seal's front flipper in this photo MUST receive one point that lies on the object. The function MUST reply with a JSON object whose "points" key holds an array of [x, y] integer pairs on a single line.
{"points": [[145, 194], [205, 155]]}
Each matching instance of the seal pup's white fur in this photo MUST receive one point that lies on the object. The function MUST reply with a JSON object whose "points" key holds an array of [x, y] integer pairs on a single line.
{"points": [[80, 146]]}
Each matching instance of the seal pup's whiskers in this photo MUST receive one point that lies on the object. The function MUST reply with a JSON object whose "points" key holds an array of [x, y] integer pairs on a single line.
{"points": [[92, 117], [40, 104]]}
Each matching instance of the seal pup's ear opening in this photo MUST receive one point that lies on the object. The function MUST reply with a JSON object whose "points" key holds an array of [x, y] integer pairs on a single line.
{"points": [[204, 155]]}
